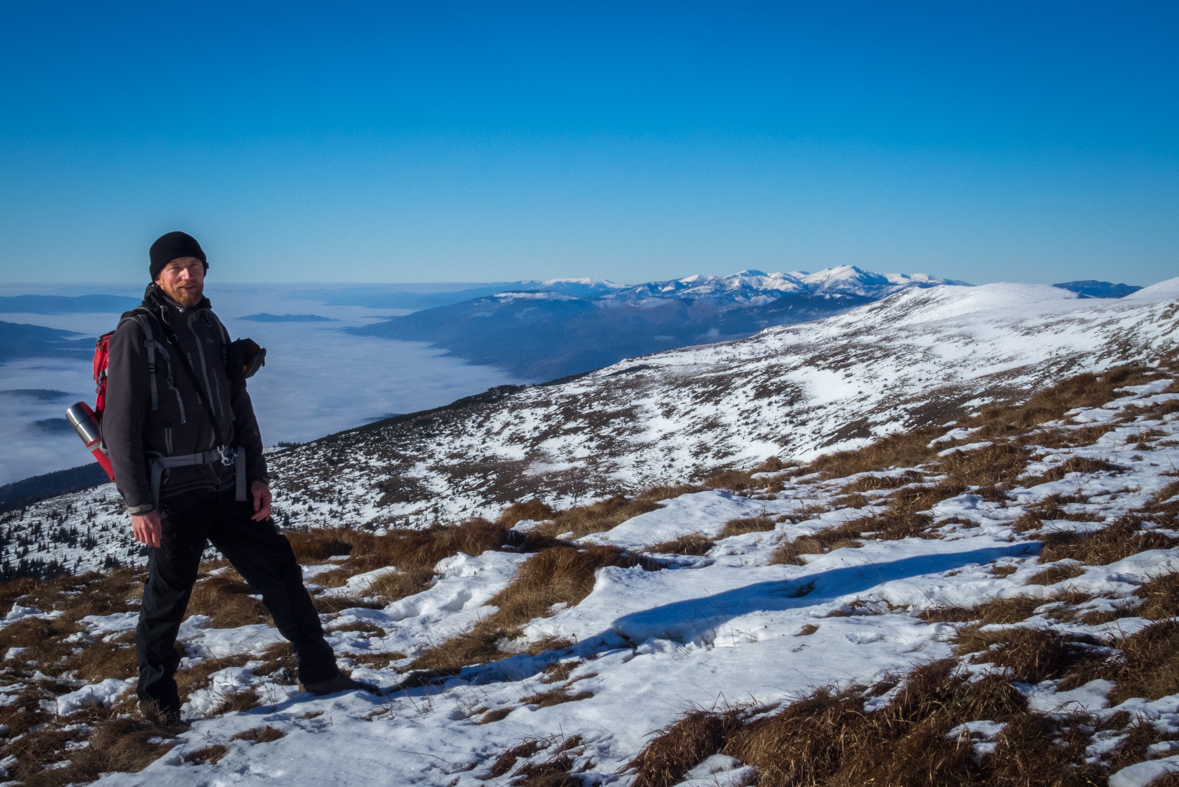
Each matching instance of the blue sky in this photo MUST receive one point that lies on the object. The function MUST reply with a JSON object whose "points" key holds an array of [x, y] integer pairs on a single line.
{"points": [[631, 141]]}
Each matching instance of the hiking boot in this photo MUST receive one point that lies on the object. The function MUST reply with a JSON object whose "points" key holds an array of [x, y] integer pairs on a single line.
{"points": [[166, 716], [340, 682]]}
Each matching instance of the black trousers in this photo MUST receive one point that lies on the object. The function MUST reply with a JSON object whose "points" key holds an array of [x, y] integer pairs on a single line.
{"points": [[259, 553]]}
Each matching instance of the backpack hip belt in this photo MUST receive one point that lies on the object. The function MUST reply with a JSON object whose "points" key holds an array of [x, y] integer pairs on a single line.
{"points": [[223, 456]]}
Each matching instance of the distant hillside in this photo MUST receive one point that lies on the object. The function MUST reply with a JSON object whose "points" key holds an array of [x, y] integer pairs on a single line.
{"points": [[32, 490], [546, 330], [18, 340], [264, 317], [1098, 289], [61, 304]]}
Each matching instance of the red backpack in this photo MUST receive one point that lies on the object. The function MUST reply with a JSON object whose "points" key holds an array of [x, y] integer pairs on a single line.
{"points": [[87, 422]]}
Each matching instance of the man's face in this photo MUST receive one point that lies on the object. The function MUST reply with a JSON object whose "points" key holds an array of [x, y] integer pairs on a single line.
{"points": [[183, 280]]}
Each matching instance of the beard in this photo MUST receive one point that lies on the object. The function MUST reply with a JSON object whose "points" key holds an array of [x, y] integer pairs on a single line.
{"points": [[185, 297]]}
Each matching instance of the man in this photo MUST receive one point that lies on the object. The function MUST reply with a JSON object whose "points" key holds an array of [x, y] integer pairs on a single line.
{"points": [[187, 456]]}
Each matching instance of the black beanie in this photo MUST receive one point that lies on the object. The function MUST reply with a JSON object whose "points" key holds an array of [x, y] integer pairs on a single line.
{"points": [[169, 247]]}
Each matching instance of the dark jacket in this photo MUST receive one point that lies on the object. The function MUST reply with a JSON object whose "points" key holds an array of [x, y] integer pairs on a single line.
{"points": [[181, 424]]}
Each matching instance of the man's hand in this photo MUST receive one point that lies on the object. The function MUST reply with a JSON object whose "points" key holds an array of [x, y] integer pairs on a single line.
{"points": [[261, 501], [147, 528]]}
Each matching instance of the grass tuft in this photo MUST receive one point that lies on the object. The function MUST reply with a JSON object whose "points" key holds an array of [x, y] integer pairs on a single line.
{"points": [[690, 544], [681, 746], [753, 524]]}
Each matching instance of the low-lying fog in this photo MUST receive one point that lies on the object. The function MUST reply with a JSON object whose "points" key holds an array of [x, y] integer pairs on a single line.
{"points": [[317, 380]]}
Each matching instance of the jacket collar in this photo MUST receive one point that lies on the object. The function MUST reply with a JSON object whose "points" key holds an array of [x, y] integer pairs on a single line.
{"points": [[155, 299]]}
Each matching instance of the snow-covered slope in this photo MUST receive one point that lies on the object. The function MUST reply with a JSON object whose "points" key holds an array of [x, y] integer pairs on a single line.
{"points": [[920, 356], [1072, 549]]}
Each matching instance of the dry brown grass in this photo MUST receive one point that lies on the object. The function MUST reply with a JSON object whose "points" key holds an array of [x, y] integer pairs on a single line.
{"points": [[1051, 508], [999, 464], [107, 743], [690, 544], [227, 602], [527, 510], [558, 696], [506, 761], [595, 518], [656, 494], [199, 676], [789, 553], [736, 480], [318, 546], [994, 464], [279, 664], [753, 524], [551, 773], [772, 465], [556, 673], [414, 554], [803, 513], [492, 716], [553, 576], [874, 483], [1054, 574], [1050, 404], [829, 739], [113, 658], [265, 734], [401, 584], [1115, 542], [682, 745], [238, 701], [1148, 665], [1002, 612], [903, 449], [1066, 438], [1032, 654], [210, 755], [362, 626], [415, 549], [77, 596], [854, 500], [807, 630], [44, 641], [376, 659], [1075, 464], [1160, 597]]}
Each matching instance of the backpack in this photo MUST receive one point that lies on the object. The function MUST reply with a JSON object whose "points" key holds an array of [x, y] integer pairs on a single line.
{"points": [[87, 422]]}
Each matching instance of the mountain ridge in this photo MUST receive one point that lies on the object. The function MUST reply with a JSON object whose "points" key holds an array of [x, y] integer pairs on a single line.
{"points": [[550, 329]]}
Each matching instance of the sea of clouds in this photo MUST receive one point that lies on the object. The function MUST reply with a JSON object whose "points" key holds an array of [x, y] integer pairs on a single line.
{"points": [[318, 379]]}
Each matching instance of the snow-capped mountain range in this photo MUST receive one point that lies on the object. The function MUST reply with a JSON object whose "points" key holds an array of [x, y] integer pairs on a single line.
{"points": [[542, 330], [753, 287], [745, 288]]}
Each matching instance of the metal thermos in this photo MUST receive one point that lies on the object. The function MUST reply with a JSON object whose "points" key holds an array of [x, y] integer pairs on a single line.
{"points": [[85, 423]]}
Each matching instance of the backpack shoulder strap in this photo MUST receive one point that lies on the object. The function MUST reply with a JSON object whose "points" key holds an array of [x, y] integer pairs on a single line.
{"points": [[220, 326], [145, 318]]}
